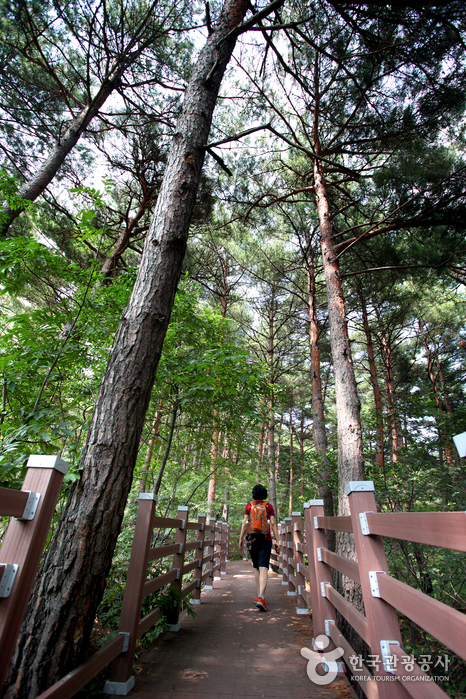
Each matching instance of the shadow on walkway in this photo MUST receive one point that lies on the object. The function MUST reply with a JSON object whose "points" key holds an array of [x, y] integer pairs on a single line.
{"points": [[230, 649]]}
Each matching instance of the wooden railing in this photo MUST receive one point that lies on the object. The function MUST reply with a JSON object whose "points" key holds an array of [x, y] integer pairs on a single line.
{"points": [[23, 545], [208, 563], [31, 509], [382, 594]]}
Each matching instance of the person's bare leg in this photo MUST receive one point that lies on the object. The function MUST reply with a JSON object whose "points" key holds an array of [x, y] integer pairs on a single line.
{"points": [[257, 574], [263, 578]]}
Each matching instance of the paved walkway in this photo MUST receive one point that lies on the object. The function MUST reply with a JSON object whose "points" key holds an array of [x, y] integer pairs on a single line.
{"points": [[231, 650]]}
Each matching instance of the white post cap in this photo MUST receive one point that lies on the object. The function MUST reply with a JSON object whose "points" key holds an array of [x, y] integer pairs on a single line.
{"points": [[148, 496], [359, 487], [48, 461], [460, 443]]}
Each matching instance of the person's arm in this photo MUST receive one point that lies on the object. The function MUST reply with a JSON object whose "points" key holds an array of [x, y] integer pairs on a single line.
{"points": [[273, 524], [243, 529]]}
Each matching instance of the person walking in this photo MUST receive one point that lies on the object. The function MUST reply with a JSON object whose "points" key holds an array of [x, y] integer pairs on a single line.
{"points": [[258, 524]]}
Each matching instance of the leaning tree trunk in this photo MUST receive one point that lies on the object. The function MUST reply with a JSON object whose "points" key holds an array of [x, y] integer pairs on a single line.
{"points": [[45, 174], [62, 609]]}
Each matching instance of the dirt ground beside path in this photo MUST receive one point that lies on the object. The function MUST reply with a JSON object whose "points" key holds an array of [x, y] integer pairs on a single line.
{"points": [[230, 649]]}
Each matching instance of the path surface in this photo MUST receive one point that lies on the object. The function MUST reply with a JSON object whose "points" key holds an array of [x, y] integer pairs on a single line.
{"points": [[230, 649]]}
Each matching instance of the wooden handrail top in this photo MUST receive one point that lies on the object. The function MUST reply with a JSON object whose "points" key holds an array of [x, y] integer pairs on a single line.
{"points": [[343, 565], [162, 551], [194, 525], [444, 529], [69, 685], [12, 502], [167, 523], [337, 524], [441, 621], [160, 581], [356, 619]]}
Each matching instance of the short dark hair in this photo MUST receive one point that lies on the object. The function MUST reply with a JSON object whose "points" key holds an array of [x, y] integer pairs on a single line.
{"points": [[259, 492]]}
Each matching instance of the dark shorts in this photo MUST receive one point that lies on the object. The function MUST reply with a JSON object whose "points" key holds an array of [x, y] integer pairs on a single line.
{"points": [[260, 553]]}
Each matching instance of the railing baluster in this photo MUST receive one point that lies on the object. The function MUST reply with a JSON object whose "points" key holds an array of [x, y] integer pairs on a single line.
{"points": [[178, 561], [211, 550], [302, 607], [121, 678], [196, 596], [291, 592], [319, 572], [382, 620]]}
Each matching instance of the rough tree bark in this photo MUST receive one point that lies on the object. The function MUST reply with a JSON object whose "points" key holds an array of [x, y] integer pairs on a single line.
{"points": [[62, 609], [318, 417], [350, 451], [271, 426], [290, 503]]}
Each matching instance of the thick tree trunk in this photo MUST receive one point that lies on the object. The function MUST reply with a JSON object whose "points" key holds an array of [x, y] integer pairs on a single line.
{"points": [[290, 503], [318, 417], [62, 609], [350, 452], [272, 494], [301, 451]]}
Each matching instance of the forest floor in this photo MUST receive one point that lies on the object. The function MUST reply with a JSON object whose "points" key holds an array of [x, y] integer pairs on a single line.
{"points": [[230, 649]]}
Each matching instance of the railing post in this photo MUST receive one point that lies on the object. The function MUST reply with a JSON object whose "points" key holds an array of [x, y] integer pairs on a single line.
{"points": [[218, 550], [23, 544], [196, 596], [280, 555], [210, 549], [302, 607], [121, 678], [289, 557], [178, 559], [284, 554], [319, 572], [382, 620], [227, 549], [223, 547]]}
